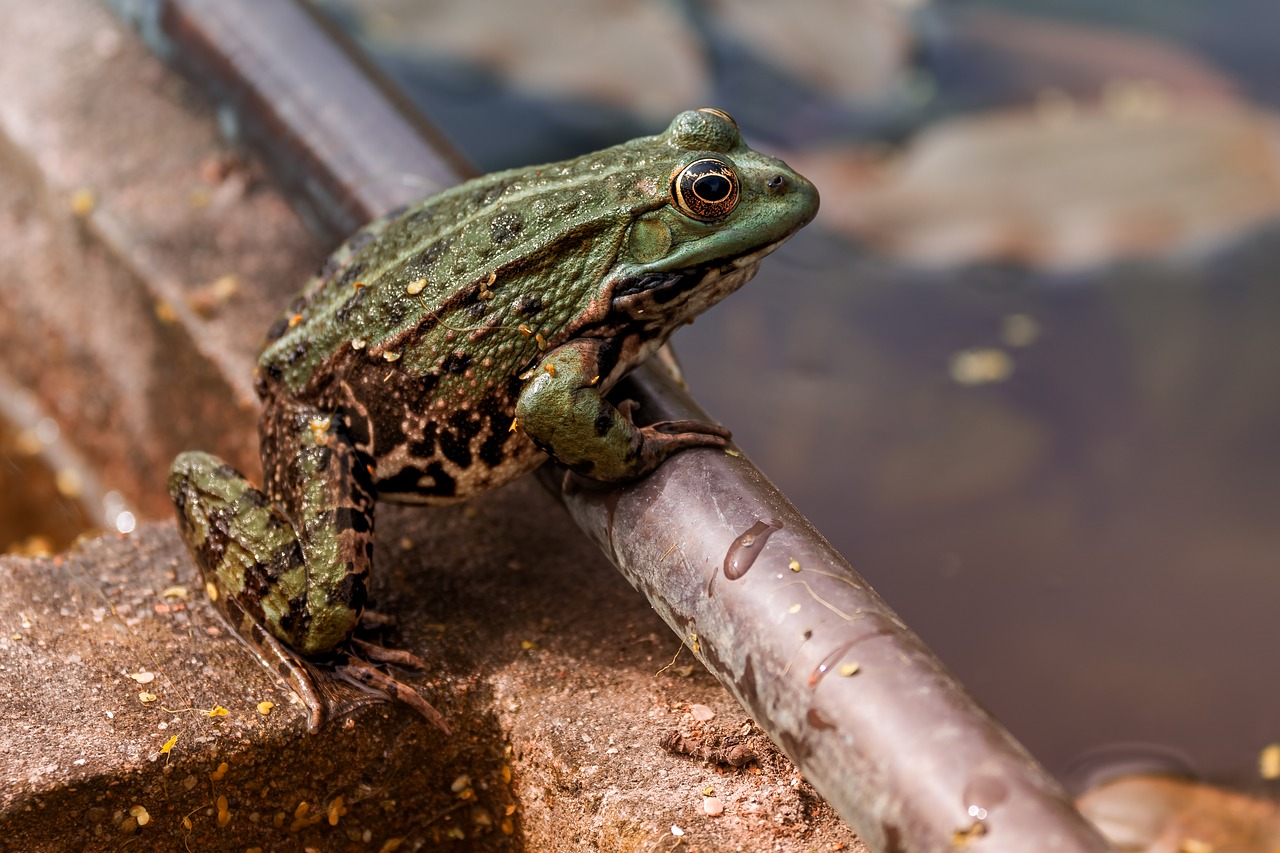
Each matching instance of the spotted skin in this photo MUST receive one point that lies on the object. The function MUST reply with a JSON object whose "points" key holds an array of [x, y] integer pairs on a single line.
{"points": [[452, 346]]}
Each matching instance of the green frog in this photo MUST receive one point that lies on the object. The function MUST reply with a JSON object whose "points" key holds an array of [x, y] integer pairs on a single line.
{"points": [[452, 346]]}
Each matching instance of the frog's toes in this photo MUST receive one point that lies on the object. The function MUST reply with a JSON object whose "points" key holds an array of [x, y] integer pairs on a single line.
{"points": [[395, 657], [366, 674], [700, 428]]}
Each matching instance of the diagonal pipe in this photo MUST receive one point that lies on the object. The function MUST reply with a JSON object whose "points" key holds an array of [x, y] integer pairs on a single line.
{"points": [[867, 712]]}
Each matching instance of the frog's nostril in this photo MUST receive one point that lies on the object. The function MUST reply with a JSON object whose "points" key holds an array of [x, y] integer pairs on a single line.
{"points": [[777, 182]]}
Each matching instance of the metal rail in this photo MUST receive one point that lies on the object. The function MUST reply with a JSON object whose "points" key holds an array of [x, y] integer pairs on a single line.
{"points": [[867, 712]]}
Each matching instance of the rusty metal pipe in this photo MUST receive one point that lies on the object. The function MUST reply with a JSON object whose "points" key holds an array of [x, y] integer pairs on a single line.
{"points": [[868, 713]]}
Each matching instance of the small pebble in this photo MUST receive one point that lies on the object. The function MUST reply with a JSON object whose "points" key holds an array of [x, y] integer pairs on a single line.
{"points": [[712, 806]]}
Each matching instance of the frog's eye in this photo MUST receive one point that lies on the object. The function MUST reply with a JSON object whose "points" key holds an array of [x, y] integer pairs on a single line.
{"points": [[706, 190]]}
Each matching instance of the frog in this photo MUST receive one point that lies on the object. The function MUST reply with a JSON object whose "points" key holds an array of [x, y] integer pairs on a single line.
{"points": [[454, 345]]}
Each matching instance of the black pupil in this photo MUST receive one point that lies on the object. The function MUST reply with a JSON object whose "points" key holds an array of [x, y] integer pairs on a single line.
{"points": [[712, 187]]}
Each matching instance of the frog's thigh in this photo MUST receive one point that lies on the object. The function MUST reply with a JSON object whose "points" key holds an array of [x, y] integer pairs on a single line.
{"points": [[297, 569]]}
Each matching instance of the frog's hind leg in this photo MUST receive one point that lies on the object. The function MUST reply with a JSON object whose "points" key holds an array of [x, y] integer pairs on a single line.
{"points": [[287, 569]]}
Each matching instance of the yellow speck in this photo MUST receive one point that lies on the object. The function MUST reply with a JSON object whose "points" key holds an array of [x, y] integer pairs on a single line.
{"points": [[211, 591], [358, 343], [506, 773], [542, 342], [515, 425], [524, 330], [1269, 761], [264, 708], [390, 845], [1195, 845], [508, 826], [794, 564], [528, 645], [730, 451], [795, 608], [595, 380], [83, 201], [175, 592], [165, 313], [709, 791], [391, 355], [694, 645], [415, 287], [168, 745], [357, 285], [218, 711], [336, 810], [981, 366], [146, 698], [847, 669], [216, 775], [143, 677], [139, 813], [295, 320], [550, 368]]}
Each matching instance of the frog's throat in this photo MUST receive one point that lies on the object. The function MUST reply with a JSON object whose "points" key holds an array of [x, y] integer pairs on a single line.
{"points": [[672, 298]]}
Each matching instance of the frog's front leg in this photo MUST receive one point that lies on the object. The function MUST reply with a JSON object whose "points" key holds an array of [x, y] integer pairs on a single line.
{"points": [[287, 569], [562, 410]]}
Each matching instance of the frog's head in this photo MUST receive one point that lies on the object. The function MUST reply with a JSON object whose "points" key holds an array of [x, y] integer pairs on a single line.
{"points": [[724, 207]]}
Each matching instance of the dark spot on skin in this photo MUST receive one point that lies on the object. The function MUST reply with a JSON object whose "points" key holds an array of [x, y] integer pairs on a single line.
{"points": [[274, 372], [346, 518], [527, 306], [298, 352], [353, 302], [491, 448], [455, 442], [602, 423], [357, 429], [506, 227], [296, 306], [277, 330], [328, 268], [488, 194], [282, 669], [350, 592], [351, 274], [395, 312], [433, 253], [359, 240], [456, 362], [477, 309], [254, 498]]}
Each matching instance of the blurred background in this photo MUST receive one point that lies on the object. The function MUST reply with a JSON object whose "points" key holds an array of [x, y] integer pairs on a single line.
{"points": [[1023, 370]]}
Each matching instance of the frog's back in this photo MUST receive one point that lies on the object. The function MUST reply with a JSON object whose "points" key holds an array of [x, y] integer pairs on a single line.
{"points": [[522, 247]]}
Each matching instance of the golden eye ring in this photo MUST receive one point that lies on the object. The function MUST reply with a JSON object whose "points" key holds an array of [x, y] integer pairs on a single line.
{"points": [[706, 190]]}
